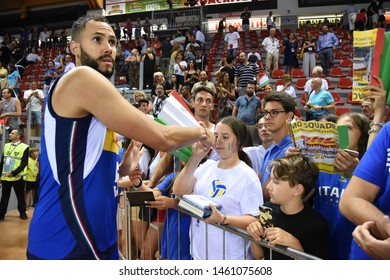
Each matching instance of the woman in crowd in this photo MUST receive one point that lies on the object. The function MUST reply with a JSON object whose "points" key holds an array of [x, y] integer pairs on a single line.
{"points": [[139, 95], [133, 61], [229, 182], [191, 76], [225, 95], [13, 77], [287, 87], [309, 46], [330, 187], [149, 66], [179, 67], [267, 90], [173, 85], [290, 50]]}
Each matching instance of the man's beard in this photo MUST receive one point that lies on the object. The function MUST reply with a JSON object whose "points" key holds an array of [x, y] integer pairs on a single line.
{"points": [[87, 60]]}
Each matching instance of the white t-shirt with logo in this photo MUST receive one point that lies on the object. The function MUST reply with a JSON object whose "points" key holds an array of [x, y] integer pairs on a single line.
{"points": [[239, 192]]}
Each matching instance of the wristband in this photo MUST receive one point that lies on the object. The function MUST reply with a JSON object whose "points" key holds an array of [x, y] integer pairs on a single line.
{"points": [[376, 123], [223, 220], [373, 130], [139, 185]]}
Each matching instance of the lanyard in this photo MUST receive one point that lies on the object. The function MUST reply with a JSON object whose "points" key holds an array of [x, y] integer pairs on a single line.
{"points": [[10, 152]]}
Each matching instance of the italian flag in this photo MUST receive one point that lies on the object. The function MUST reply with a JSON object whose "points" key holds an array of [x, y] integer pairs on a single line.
{"points": [[176, 112]]}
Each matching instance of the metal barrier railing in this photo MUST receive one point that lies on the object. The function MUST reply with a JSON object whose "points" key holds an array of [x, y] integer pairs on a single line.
{"points": [[290, 252], [177, 18]]}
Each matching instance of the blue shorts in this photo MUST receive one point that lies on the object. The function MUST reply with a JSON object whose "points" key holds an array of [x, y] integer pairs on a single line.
{"points": [[36, 117]]}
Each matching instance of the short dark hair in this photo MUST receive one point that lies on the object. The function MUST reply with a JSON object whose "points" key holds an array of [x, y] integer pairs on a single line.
{"points": [[186, 86], [283, 98], [252, 58], [230, 59], [251, 83], [81, 22], [142, 101], [296, 169]]}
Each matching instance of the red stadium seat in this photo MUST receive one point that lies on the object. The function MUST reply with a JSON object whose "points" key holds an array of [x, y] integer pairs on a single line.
{"points": [[298, 113], [345, 83], [277, 74], [297, 73], [337, 98], [300, 84], [279, 82], [330, 86], [338, 55], [336, 72], [261, 95], [346, 62], [24, 85], [342, 110], [303, 99]]}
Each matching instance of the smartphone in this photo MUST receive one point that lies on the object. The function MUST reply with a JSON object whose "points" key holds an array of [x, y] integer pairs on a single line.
{"points": [[266, 219], [352, 153]]}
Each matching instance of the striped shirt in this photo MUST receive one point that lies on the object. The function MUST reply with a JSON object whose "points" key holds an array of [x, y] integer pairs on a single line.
{"points": [[246, 73]]}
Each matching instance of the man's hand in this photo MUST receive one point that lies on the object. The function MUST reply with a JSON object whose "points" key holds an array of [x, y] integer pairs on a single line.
{"points": [[378, 249], [131, 158]]}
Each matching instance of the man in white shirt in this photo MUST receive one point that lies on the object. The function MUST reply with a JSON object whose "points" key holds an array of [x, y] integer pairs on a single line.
{"points": [[69, 64], [271, 47], [34, 99], [256, 153], [232, 41], [160, 100], [33, 56], [199, 37]]}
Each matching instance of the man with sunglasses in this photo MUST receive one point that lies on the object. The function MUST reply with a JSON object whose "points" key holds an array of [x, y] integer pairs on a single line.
{"points": [[278, 109]]}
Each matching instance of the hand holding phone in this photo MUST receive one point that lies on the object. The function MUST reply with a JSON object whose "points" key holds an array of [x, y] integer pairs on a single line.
{"points": [[352, 152]]}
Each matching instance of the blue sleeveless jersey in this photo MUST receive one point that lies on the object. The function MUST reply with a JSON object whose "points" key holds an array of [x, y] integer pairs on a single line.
{"points": [[75, 217]]}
